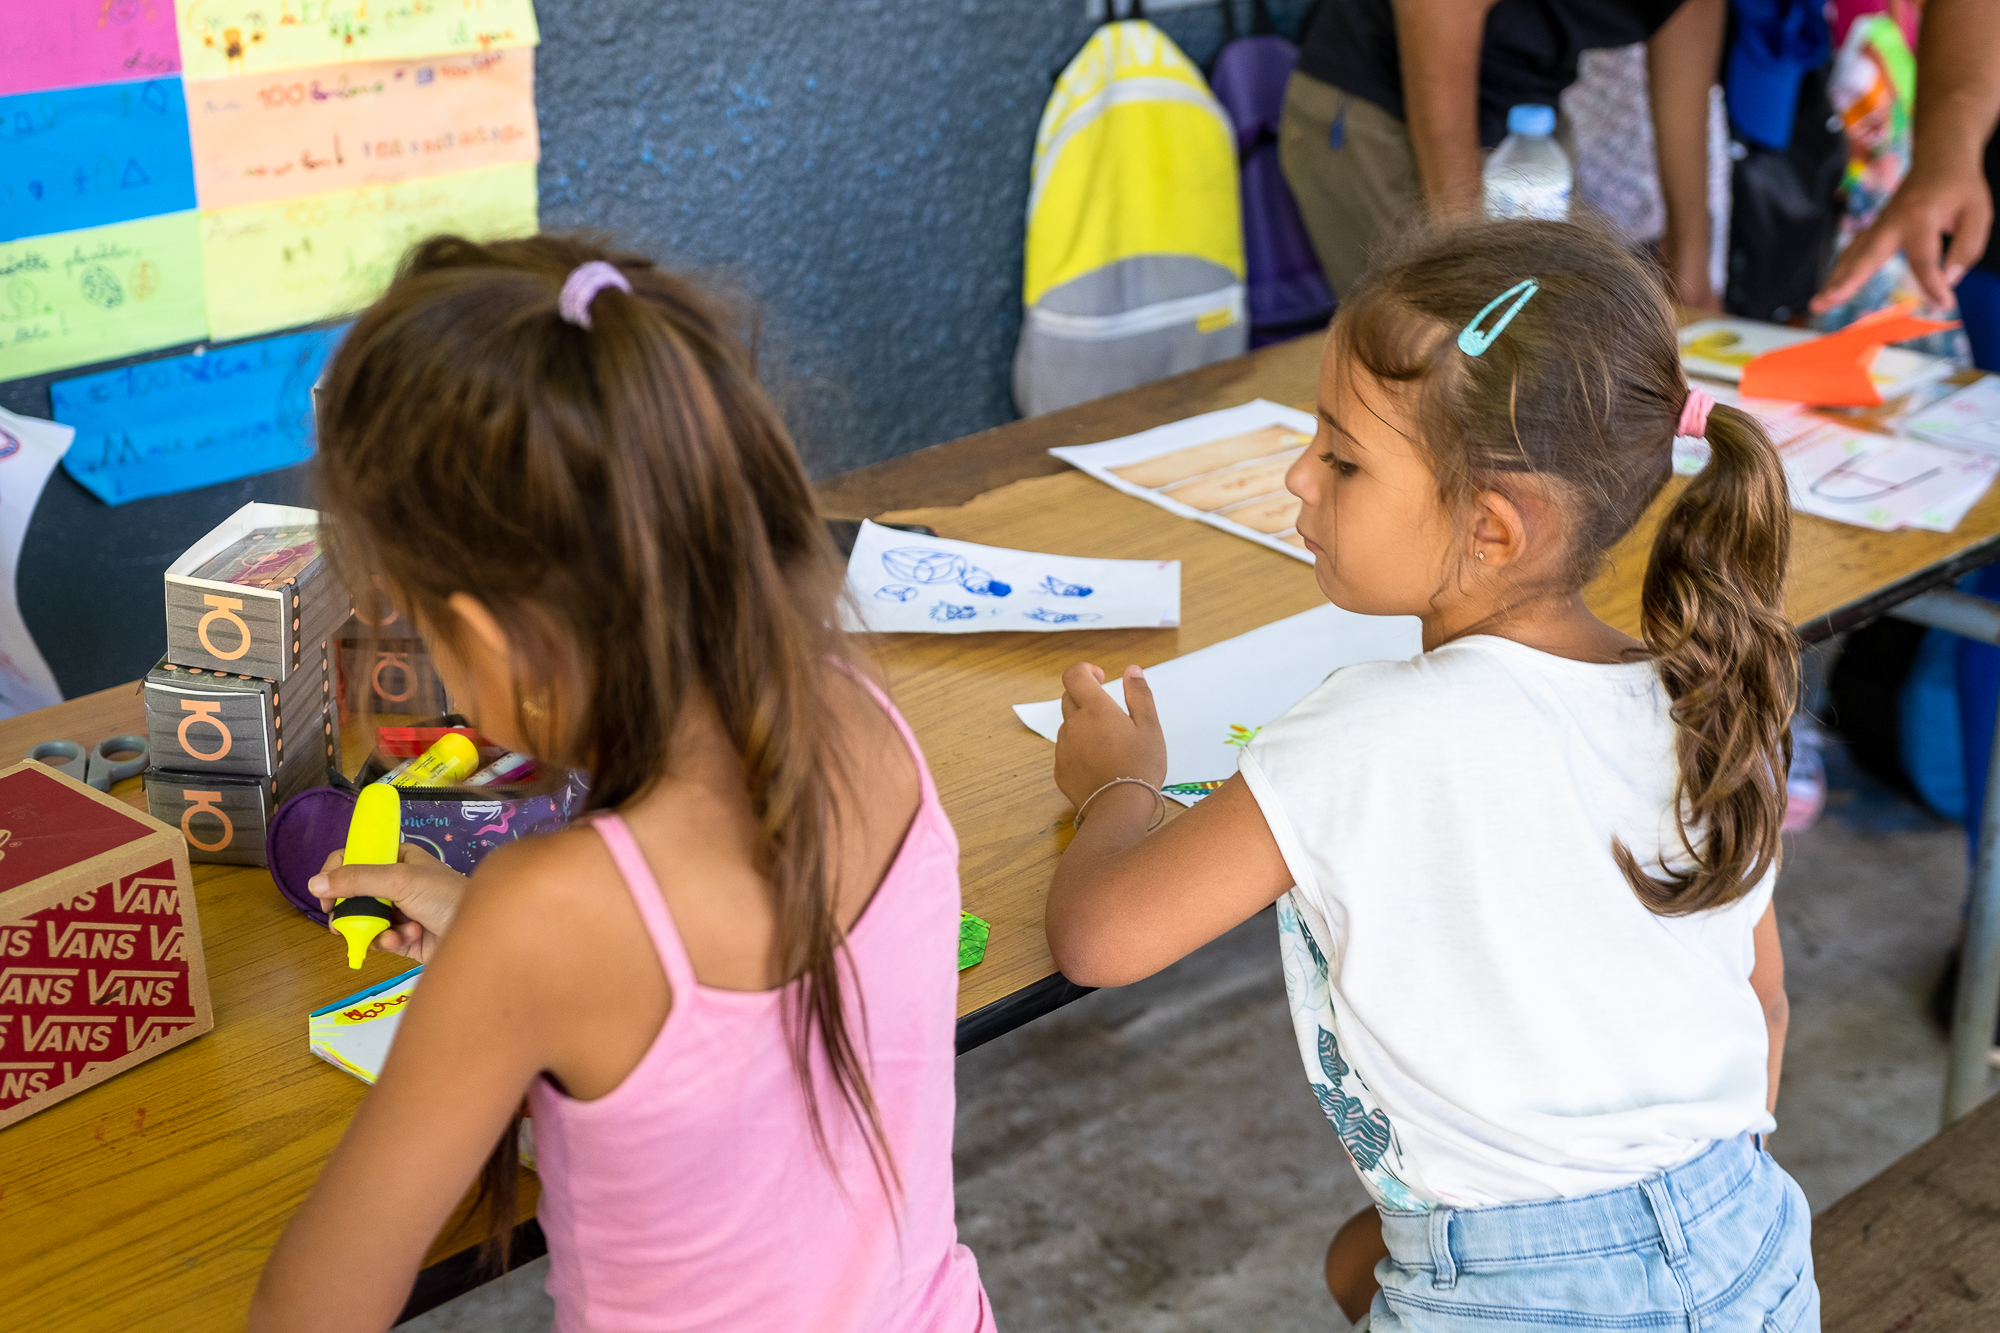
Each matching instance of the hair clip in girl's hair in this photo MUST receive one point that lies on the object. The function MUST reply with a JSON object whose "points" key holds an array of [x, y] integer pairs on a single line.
{"points": [[581, 287], [1472, 341]]}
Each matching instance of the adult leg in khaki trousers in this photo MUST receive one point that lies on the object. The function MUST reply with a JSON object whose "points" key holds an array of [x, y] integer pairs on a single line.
{"points": [[1351, 169]]}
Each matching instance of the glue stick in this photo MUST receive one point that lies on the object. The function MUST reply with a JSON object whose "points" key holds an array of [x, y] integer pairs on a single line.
{"points": [[451, 759], [374, 837]]}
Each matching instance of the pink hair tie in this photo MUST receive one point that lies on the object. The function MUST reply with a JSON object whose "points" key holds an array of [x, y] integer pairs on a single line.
{"points": [[581, 287], [1694, 415]]}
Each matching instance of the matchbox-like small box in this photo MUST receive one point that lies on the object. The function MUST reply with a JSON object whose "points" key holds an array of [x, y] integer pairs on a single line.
{"points": [[254, 597], [206, 722], [100, 945], [224, 817]]}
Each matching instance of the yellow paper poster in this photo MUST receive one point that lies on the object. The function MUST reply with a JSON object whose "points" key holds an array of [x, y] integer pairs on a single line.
{"points": [[261, 138], [74, 297], [221, 38], [272, 266]]}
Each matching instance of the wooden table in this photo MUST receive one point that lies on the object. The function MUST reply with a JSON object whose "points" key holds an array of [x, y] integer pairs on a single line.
{"points": [[151, 1201]]}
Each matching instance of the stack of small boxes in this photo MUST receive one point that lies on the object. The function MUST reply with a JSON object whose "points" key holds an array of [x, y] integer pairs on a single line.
{"points": [[240, 713]]}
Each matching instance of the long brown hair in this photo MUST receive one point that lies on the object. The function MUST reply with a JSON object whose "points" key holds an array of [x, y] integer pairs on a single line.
{"points": [[1583, 389], [626, 502]]}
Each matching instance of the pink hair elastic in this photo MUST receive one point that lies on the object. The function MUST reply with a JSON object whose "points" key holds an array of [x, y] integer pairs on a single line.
{"points": [[1694, 414], [581, 287]]}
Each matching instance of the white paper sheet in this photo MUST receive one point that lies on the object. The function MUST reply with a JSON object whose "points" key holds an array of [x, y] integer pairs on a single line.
{"points": [[1968, 419], [1720, 348], [1214, 699], [30, 448], [1223, 468], [905, 583], [1883, 482]]}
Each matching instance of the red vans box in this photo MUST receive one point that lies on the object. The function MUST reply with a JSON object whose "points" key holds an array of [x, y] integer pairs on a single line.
{"points": [[100, 946]]}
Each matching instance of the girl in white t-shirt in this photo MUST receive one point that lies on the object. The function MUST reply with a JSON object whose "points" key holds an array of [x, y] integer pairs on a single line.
{"points": [[1523, 879]]}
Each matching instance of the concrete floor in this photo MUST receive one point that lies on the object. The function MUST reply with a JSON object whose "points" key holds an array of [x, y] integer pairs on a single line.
{"points": [[1149, 1160]]}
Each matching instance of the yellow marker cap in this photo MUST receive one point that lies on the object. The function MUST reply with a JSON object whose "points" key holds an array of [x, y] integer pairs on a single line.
{"points": [[451, 759], [377, 828]]}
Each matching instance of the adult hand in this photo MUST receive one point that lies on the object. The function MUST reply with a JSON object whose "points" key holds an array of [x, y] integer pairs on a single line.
{"points": [[1929, 206], [423, 891], [1099, 741], [1686, 267]]}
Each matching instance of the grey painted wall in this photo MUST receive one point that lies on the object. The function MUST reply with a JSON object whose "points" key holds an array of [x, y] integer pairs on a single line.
{"points": [[856, 170]]}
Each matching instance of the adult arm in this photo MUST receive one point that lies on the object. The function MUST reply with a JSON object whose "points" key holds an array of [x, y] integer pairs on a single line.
{"points": [[1437, 45], [1767, 978], [1125, 903], [1682, 60], [1946, 192]]}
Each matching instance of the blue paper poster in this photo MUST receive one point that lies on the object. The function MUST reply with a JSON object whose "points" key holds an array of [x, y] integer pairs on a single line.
{"points": [[85, 157], [184, 422]]}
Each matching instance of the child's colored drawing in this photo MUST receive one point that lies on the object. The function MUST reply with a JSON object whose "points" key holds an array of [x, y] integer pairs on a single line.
{"points": [[920, 565], [1194, 791], [946, 611], [1240, 735], [1048, 617], [983, 583], [1055, 587], [895, 592]]}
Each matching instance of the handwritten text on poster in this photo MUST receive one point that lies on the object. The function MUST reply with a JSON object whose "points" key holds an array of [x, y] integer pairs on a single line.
{"points": [[90, 295]]}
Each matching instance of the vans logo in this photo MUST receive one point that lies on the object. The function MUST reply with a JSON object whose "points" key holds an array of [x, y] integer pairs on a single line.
{"points": [[170, 946], [66, 1032], [92, 939], [15, 941], [36, 985], [150, 1030], [150, 897], [132, 988], [23, 1080]]}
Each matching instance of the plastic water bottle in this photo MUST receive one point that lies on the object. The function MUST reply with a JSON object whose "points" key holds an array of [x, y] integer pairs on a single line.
{"points": [[1528, 175]]}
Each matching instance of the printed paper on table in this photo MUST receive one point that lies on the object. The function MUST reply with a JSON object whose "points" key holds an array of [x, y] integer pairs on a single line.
{"points": [[905, 583], [1883, 482], [272, 266], [355, 1034], [1720, 348], [1226, 469], [184, 422], [1213, 700], [88, 157], [29, 450], [69, 43], [221, 38], [90, 295], [337, 127], [1968, 419]]}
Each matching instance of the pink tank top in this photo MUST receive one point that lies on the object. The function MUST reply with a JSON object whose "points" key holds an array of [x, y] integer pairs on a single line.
{"points": [[692, 1197]]}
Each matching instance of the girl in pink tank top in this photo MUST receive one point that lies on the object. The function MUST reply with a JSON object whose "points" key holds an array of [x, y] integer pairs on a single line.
{"points": [[727, 998]]}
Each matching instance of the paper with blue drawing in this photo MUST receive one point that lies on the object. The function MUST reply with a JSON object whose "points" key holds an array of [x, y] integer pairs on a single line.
{"points": [[1213, 700], [904, 583]]}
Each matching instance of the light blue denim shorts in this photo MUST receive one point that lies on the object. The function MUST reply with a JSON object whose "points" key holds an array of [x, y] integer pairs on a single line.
{"points": [[1718, 1244]]}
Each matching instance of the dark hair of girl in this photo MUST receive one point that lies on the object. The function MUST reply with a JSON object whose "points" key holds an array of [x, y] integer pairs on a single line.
{"points": [[1583, 391], [627, 503]]}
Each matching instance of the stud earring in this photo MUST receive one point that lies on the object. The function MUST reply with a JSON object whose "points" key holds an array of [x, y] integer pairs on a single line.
{"points": [[1482, 554], [534, 710]]}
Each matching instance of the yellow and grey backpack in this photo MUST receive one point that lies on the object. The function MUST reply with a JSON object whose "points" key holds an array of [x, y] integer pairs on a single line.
{"points": [[1134, 257]]}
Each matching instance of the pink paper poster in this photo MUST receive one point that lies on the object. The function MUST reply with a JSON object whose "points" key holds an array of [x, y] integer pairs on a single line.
{"points": [[70, 43], [261, 138]]}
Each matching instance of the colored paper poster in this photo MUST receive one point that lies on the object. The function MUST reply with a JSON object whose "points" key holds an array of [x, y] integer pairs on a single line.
{"points": [[29, 451], [189, 421], [70, 43], [276, 265], [84, 157], [90, 295], [259, 138], [221, 38]]}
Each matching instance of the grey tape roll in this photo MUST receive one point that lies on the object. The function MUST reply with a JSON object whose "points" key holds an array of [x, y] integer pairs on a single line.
{"points": [[103, 770], [64, 755]]}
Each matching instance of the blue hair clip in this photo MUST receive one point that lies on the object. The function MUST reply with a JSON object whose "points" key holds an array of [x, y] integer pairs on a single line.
{"points": [[1472, 341]]}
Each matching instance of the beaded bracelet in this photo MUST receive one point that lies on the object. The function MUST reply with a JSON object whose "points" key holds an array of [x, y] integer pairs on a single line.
{"points": [[1159, 813]]}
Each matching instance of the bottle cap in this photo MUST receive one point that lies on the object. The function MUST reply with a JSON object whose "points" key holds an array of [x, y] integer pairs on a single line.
{"points": [[1529, 118]]}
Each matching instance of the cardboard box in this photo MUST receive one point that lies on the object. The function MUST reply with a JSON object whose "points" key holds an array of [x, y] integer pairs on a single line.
{"points": [[222, 816], [260, 616], [202, 721], [100, 944], [388, 673]]}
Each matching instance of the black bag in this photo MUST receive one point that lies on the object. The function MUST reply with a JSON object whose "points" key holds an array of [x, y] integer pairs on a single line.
{"points": [[1785, 211]]}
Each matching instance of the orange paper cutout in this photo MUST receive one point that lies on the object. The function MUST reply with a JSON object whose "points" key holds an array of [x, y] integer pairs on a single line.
{"points": [[1832, 371]]}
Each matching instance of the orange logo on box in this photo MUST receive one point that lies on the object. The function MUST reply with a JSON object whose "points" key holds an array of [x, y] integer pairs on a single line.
{"points": [[66, 1032], [206, 800], [225, 609], [150, 897], [36, 985], [133, 988], [400, 661], [91, 939], [203, 710], [23, 1080]]}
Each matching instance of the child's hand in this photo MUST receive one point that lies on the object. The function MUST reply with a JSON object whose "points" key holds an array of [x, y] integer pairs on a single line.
{"points": [[1098, 742], [425, 893]]}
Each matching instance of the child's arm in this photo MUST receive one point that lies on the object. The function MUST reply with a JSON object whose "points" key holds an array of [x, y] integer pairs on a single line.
{"points": [[1767, 978], [476, 1035], [1125, 905]]}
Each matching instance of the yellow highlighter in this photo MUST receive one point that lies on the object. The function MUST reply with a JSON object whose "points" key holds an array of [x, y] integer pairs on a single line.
{"points": [[373, 839], [451, 759]]}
